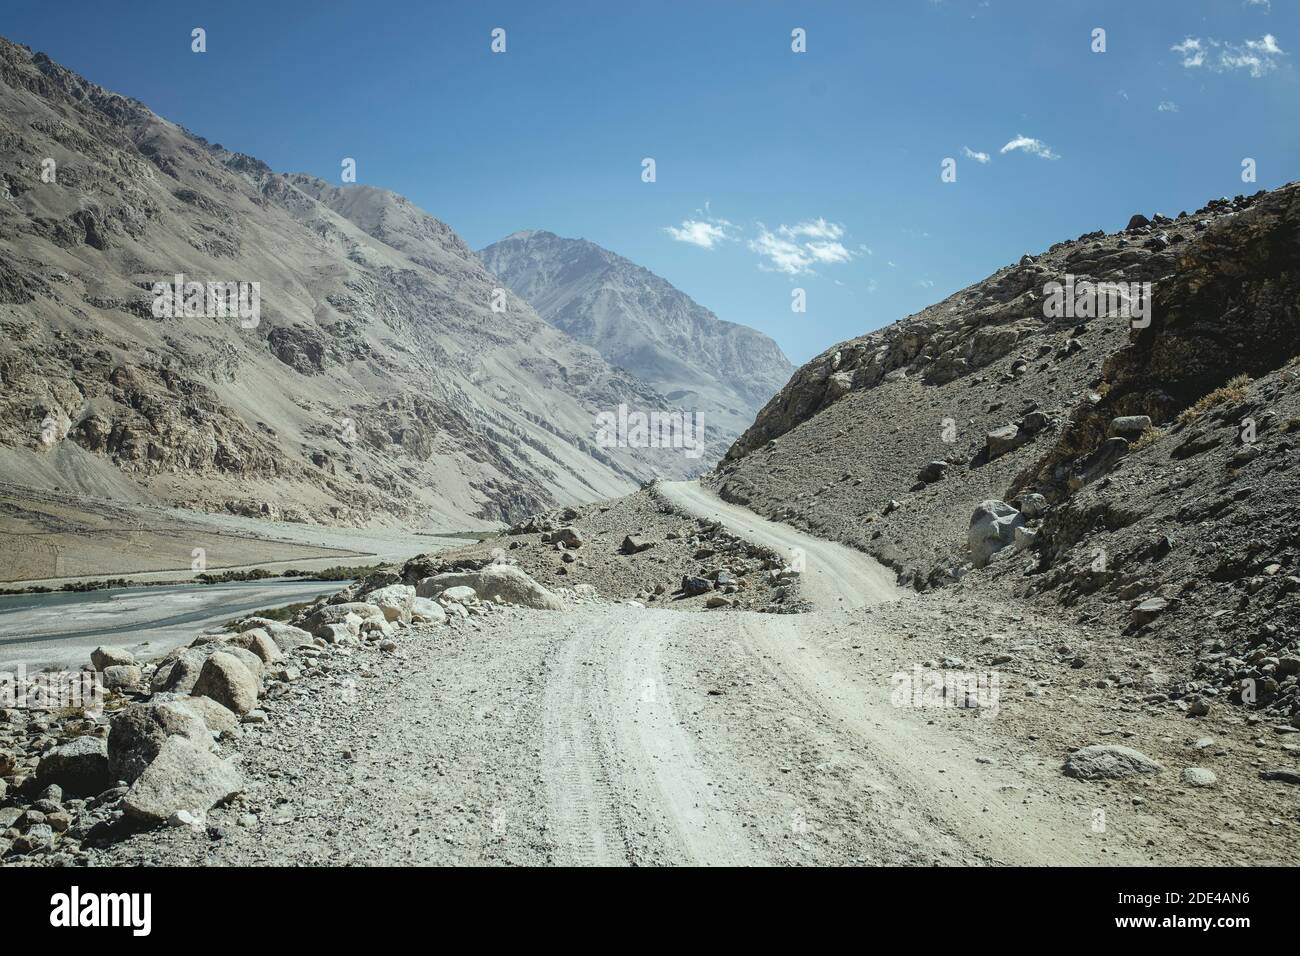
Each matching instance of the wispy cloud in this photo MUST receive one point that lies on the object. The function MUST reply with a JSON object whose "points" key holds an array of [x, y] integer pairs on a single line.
{"points": [[705, 232], [781, 255], [1192, 52], [1030, 145], [817, 228], [791, 249], [1223, 56], [972, 154], [706, 235], [1167, 106], [794, 250]]}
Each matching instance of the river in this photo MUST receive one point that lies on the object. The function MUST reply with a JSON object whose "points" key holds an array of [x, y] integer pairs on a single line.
{"points": [[60, 629]]}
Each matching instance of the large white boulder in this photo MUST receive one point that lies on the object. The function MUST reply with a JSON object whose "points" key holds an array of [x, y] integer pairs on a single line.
{"points": [[992, 527], [498, 583], [181, 777], [229, 681], [394, 600]]}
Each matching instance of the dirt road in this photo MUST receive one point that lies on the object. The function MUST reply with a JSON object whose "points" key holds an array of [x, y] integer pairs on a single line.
{"points": [[620, 735]]}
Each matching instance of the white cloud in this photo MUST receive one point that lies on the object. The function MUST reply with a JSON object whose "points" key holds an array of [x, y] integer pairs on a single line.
{"points": [[782, 255], [828, 251], [1167, 106], [795, 249], [972, 154], [706, 235], [817, 228], [705, 232], [1030, 145], [1223, 56], [1193, 53]]}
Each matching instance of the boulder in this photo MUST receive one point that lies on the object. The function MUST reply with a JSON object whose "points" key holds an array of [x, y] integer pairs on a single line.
{"points": [[102, 658], [286, 636], [179, 671], [1034, 422], [992, 527], [1199, 777], [394, 600], [424, 611], [338, 614], [80, 767], [1025, 538], [1004, 439], [181, 777], [227, 680], [121, 676], [498, 583], [568, 536], [932, 471], [1108, 762], [137, 733], [218, 718], [339, 633], [460, 594], [246, 657], [635, 544], [692, 586], [1033, 505], [1150, 609], [258, 642], [1128, 426]]}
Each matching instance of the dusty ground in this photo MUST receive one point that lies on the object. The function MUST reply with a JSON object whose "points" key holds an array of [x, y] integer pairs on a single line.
{"points": [[681, 543], [616, 734]]}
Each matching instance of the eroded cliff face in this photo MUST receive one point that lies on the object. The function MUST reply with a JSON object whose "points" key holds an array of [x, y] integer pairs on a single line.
{"points": [[376, 382]]}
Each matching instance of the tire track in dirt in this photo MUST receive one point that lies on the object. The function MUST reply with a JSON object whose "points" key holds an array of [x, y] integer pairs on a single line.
{"points": [[625, 782]]}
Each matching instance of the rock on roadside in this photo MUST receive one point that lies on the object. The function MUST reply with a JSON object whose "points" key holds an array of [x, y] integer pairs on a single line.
{"points": [[498, 583], [1108, 762], [182, 777]]}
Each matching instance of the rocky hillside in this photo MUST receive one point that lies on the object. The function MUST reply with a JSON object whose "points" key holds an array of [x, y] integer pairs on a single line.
{"points": [[1139, 471], [640, 322], [376, 383]]}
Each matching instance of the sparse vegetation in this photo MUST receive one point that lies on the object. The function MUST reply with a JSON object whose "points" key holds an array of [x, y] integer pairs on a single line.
{"points": [[1233, 391], [284, 614], [1148, 437]]}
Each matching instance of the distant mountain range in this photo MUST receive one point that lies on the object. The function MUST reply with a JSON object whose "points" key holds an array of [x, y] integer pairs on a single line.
{"points": [[640, 322]]}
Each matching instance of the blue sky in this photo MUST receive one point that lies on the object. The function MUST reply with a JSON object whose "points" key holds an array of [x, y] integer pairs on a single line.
{"points": [[774, 169]]}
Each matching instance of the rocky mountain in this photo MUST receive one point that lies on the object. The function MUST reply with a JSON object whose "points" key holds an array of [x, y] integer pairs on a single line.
{"points": [[640, 322], [376, 380], [1137, 470]]}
